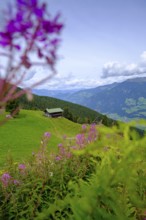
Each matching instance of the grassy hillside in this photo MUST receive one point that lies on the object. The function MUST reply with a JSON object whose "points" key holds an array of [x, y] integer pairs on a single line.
{"points": [[22, 136]]}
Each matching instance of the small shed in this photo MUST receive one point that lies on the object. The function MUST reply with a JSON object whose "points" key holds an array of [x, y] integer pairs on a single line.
{"points": [[53, 112]]}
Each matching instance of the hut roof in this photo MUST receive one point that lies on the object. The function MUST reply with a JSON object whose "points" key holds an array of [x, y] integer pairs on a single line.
{"points": [[53, 110]]}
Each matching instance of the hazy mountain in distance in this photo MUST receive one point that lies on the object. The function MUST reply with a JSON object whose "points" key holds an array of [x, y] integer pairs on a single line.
{"points": [[126, 99], [60, 94]]}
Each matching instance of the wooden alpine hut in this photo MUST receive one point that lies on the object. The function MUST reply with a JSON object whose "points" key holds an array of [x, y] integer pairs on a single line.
{"points": [[53, 112]]}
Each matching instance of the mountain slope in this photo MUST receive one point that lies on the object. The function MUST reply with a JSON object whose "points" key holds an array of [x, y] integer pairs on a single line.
{"points": [[79, 113], [126, 99]]}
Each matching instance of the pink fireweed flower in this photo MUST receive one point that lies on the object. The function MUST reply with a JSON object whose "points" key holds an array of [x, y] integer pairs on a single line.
{"points": [[68, 155], [60, 145], [62, 150], [80, 140], [84, 127], [47, 134], [58, 158], [92, 135], [16, 182], [31, 22], [28, 29], [74, 147], [22, 168], [6, 179]]}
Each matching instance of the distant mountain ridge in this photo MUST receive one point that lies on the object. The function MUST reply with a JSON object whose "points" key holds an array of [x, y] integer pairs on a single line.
{"points": [[54, 93], [118, 100]]}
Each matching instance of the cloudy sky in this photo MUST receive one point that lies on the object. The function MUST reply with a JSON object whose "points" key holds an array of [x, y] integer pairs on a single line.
{"points": [[103, 41]]}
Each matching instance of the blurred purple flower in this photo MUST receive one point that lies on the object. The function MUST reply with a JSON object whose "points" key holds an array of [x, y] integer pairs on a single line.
{"points": [[32, 23], [47, 134], [58, 158], [80, 140], [5, 179], [16, 182], [74, 147], [62, 150], [69, 155], [84, 127], [22, 167], [92, 135], [28, 28], [60, 145]]}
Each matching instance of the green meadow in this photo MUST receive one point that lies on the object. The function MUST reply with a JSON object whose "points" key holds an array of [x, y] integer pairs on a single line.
{"points": [[102, 176], [21, 136]]}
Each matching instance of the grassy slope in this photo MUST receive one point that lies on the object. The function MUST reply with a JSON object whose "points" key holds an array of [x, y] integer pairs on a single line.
{"points": [[22, 136]]}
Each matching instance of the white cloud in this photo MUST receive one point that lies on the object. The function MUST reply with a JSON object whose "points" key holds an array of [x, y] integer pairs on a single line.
{"points": [[35, 75], [70, 82], [112, 71], [60, 80], [143, 56], [117, 69]]}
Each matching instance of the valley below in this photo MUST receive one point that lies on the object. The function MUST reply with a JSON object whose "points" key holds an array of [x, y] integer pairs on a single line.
{"points": [[123, 101]]}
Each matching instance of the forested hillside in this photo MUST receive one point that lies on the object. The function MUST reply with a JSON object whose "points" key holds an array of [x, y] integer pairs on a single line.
{"points": [[74, 112]]}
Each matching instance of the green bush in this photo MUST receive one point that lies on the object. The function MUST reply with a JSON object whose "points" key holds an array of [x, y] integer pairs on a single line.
{"points": [[13, 107]]}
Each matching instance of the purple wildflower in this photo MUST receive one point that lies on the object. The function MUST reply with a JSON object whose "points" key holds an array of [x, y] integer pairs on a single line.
{"points": [[84, 127], [58, 158], [32, 22], [74, 147], [69, 155], [80, 140], [92, 135], [62, 150], [60, 145], [16, 182], [22, 167], [28, 28], [47, 134], [6, 179]]}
